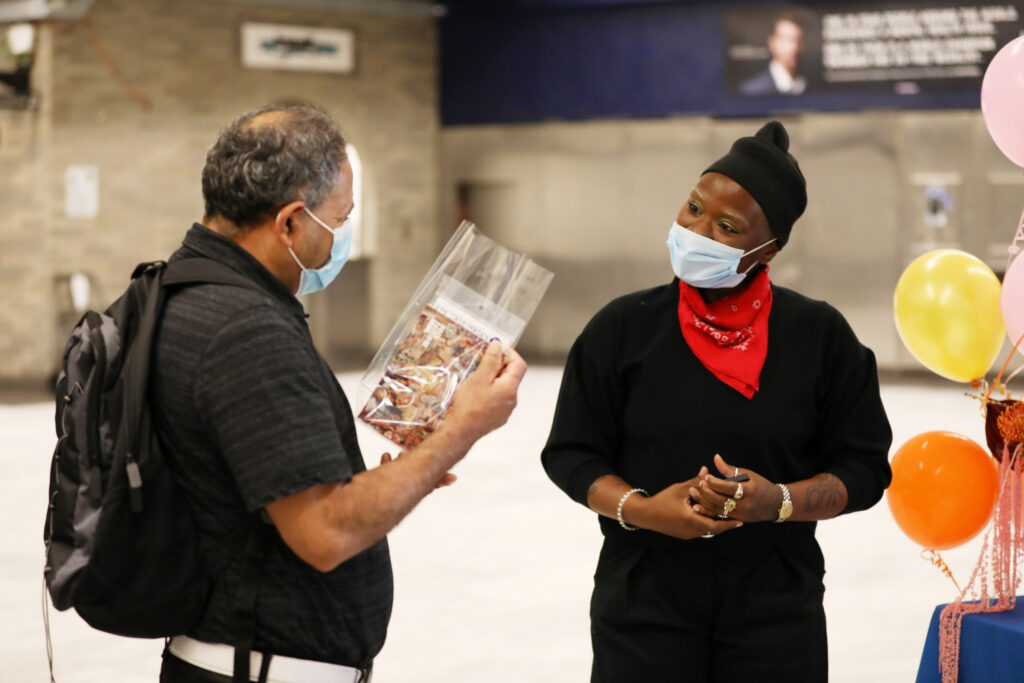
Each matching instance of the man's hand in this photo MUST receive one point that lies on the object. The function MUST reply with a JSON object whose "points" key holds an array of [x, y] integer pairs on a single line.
{"points": [[485, 400]]}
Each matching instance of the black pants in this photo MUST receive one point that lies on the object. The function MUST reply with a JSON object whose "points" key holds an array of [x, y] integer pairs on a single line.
{"points": [[175, 670], [660, 616]]}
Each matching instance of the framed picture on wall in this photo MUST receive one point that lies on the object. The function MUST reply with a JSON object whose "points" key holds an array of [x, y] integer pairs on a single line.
{"points": [[297, 48]]}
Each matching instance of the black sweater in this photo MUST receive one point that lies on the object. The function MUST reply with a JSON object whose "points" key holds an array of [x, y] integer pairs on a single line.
{"points": [[635, 401]]}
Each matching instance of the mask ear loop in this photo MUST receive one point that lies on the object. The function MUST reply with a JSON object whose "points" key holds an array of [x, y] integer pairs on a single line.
{"points": [[333, 231], [755, 264]]}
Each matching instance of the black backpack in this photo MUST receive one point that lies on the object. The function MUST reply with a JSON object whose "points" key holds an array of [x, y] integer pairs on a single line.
{"points": [[121, 545]]}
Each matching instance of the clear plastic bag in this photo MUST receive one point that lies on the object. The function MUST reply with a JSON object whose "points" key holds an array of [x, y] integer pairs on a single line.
{"points": [[476, 291]]}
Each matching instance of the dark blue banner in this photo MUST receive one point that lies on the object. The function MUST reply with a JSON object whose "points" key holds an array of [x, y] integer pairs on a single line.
{"points": [[511, 63]]}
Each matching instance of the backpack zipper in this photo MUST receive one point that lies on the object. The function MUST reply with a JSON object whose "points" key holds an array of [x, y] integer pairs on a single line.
{"points": [[134, 483]]}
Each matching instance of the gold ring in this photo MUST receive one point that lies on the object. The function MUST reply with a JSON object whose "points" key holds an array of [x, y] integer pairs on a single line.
{"points": [[739, 492], [730, 505]]}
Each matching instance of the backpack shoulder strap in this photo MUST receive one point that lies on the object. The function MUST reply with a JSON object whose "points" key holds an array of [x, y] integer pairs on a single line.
{"points": [[204, 270], [147, 293], [149, 282], [252, 557]]}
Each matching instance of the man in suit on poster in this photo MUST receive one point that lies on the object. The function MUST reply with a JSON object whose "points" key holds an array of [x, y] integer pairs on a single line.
{"points": [[782, 75]]}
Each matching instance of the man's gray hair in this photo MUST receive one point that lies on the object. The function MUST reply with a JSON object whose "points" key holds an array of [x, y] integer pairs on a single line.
{"points": [[270, 157]]}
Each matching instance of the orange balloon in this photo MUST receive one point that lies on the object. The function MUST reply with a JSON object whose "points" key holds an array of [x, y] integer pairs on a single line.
{"points": [[944, 489]]}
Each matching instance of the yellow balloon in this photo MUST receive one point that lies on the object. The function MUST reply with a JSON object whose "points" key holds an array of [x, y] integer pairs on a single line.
{"points": [[947, 313]]}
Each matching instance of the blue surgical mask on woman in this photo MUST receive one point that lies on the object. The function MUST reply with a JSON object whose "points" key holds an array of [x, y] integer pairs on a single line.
{"points": [[314, 279], [702, 262]]}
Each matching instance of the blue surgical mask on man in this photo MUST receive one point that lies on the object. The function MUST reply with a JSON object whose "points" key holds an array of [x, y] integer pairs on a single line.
{"points": [[702, 262], [315, 279]]}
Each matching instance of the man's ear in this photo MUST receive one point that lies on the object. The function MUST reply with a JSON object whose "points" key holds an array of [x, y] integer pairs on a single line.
{"points": [[282, 221]]}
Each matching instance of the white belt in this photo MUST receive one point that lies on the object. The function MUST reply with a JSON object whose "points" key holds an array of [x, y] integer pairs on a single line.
{"points": [[220, 658]]}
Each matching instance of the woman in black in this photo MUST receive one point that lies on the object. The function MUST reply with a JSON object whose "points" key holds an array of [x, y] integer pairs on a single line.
{"points": [[668, 392]]}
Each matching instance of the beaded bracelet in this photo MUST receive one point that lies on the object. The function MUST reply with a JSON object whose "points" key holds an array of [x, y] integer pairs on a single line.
{"points": [[622, 501]]}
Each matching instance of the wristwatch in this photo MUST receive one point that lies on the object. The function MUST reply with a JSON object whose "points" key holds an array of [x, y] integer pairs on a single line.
{"points": [[786, 509]]}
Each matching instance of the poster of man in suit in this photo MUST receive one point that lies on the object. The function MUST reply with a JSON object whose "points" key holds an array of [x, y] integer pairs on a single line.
{"points": [[902, 47]]}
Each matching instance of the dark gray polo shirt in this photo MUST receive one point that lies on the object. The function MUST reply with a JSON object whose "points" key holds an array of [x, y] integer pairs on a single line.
{"points": [[243, 408]]}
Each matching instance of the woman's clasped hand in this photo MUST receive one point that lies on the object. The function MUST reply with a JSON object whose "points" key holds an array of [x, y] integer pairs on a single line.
{"points": [[671, 512], [756, 500]]}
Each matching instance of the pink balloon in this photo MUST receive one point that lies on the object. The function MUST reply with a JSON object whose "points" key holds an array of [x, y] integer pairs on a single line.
{"points": [[1011, 301], [1002, 100]]}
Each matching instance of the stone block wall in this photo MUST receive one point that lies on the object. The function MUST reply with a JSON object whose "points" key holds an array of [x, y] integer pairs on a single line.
{"points": [[182, 58]]}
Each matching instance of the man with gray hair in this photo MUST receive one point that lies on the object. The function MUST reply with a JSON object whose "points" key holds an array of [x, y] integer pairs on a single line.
{"points": [[254, 423]]}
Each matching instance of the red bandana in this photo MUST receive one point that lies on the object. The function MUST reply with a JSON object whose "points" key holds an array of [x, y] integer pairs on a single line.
{"points": [[729, 336]]}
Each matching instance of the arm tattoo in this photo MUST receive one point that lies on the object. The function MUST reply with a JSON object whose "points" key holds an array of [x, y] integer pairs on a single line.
{"points": [[825, 494]]}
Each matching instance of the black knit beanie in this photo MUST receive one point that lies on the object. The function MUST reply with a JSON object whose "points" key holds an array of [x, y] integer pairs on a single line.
{"points": [[763, 166]]}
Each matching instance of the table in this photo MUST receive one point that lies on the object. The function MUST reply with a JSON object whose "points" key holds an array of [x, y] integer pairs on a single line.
{"points": [[991, 648]]}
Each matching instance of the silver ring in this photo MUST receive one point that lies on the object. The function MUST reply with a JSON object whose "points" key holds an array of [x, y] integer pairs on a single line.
{"points": [[739, 492], [707, 535], [736, 472]]}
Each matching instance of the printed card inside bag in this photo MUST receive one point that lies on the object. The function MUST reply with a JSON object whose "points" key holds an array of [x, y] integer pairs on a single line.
{"points": [[419, 382]]}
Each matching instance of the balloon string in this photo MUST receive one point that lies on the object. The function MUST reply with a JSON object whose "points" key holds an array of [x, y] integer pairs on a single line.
{"points": [[1017, 237], [1002, 370], [936, 559]]}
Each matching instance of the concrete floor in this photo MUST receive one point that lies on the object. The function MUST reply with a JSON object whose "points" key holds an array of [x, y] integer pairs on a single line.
{"points": [[493, 575]]}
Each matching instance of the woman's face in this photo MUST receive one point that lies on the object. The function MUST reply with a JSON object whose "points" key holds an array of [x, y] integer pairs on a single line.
{"points": [[720, 209]]}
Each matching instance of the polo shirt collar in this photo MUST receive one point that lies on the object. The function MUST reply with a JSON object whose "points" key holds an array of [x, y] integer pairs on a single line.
{"points": [[202, 241]]}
